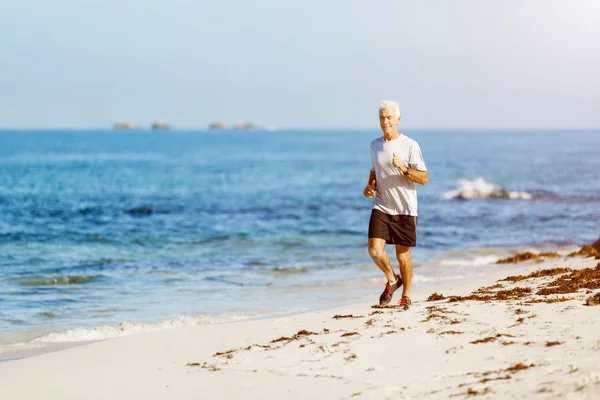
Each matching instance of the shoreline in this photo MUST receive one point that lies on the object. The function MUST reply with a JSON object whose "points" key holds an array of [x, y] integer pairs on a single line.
{"points": [[479, 261], [38, 345], [508, 348], [34, 341]]}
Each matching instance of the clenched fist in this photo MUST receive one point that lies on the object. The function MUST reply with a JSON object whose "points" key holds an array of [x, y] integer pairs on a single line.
{"points": [[369, 191], [397, 163]]}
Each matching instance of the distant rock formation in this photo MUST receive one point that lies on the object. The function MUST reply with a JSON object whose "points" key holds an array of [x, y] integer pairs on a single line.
{"points": [[160, 125], [237, 126], [245, 125], [218, 125], [124, 125]]}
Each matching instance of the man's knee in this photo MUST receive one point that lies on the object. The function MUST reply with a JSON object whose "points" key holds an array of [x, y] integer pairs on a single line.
{"points": [[376, 251], [403, 253]]}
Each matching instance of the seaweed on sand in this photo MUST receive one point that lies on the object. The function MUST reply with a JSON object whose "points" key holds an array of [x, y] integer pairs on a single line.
{"points": [[490, 338], [593, 300], [347, 316], [508, 294], [587, 278], [227, 354], [526, 257], [538, 274], [569, 281], [436, 297], [302, 333]]}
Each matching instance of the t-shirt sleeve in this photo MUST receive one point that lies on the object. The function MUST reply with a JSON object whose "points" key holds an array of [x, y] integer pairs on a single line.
{"points": [[415, 159]]}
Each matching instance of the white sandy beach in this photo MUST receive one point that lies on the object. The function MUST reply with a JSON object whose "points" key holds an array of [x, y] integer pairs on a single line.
{"points": [[526, 350]]}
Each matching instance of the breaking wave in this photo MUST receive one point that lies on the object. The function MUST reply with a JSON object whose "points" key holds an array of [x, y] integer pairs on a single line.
{"points": [[130, 328], [480, 189], [123, 329], [471, 262]]}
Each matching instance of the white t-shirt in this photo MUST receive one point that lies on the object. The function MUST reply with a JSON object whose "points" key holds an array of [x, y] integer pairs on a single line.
{"points": [[395, 194]]}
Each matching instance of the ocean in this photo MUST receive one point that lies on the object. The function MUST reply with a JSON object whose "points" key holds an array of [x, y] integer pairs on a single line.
{"points": [[104, 233]]}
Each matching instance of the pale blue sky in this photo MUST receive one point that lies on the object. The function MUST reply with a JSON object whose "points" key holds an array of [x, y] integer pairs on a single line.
{"points": [[300, 63]]}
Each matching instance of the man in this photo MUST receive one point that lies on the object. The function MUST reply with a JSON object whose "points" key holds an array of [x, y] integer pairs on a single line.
{"points": [[397, 164]]}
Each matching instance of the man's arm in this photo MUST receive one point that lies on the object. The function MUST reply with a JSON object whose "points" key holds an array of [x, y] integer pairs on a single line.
{"points": [[414, 175], [417, 176], [372, 178], [369, 191]]}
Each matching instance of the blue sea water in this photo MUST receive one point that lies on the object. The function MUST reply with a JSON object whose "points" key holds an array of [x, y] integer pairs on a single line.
{"points": [[102, 227]]}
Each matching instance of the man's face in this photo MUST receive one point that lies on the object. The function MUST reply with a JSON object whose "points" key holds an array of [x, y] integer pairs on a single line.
{"points": [[388, 120]]}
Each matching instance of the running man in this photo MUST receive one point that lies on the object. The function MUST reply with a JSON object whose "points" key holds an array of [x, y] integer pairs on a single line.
{"points": [[397, 164]]}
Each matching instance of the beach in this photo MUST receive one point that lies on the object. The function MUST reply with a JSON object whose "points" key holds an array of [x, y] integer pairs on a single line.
{"points": [[505, 340], [197, 200]]}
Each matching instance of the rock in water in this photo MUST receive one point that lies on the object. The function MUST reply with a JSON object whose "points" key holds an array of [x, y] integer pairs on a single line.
{"points": [[160, 125]]}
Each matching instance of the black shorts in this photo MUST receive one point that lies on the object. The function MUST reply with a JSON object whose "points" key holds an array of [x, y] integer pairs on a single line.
{"points": [[395, 229]]}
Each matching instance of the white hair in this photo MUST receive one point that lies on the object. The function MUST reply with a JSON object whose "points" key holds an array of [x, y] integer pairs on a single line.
{"points": [[389, 105]]}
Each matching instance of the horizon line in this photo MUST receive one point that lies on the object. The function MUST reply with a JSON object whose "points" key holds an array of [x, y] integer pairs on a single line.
{"points": [[293, 128]]}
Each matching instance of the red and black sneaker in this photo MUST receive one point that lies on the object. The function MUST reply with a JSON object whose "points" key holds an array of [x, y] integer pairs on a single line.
{"points": [[405, 302], [388, 292]]}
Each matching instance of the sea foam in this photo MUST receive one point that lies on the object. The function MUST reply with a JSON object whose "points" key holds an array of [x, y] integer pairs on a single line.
{"points": [[480, 189]]}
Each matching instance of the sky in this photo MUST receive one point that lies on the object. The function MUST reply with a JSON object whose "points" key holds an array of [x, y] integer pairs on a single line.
{"points": [[456, 64]]}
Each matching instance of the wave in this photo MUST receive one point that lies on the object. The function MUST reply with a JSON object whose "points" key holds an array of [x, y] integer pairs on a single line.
{"points": [[130, 328], [470, 262], [123, 329], [57, 280], [480, 189]]}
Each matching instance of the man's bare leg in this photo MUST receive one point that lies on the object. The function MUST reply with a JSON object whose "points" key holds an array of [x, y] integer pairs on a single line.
{"points": [[406, 268], [380, 257]]}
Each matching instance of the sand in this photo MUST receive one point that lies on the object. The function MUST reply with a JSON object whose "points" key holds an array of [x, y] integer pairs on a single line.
{"points": [[497, 349]]}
